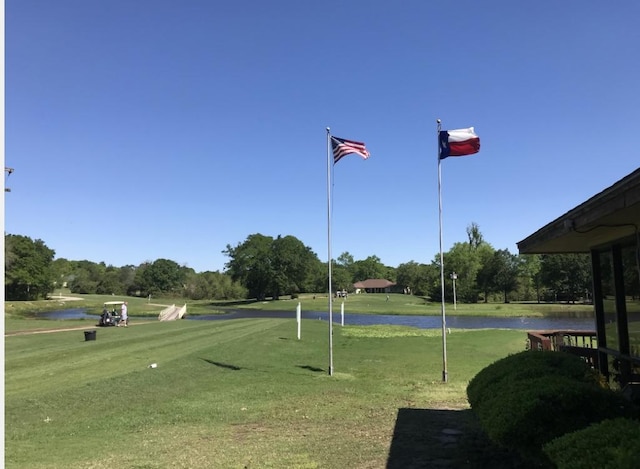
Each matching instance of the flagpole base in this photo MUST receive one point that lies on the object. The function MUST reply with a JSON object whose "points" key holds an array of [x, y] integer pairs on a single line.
{"points": [[445, 376], [330, 371]]}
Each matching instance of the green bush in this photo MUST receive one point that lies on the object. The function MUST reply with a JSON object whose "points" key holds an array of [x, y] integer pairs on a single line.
{"points": [[611, 444], [526, 365], [525, 414]]}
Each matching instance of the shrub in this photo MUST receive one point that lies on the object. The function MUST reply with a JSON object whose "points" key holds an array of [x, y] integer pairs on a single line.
{"points": [[525, 414], [526, 365], [610, 444]]}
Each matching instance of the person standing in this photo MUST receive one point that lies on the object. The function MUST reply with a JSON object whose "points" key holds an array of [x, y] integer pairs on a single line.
{"points": [[104, 316], [124, 316]]}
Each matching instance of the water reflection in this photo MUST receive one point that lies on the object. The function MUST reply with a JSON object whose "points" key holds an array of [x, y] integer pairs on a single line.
{"points": [[422, 322], [78, 313], [73, 313]]}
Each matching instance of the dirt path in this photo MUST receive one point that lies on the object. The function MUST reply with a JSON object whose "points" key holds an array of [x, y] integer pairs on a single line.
{"points": [[64, 298]]}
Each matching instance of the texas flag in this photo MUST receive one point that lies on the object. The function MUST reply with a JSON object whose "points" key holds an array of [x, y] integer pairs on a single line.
{"points": [[459, 142]]}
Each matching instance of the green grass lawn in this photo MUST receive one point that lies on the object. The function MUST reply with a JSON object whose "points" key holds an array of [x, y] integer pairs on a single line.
{"points": [[244, 394], [377, 303], [93, 303], [23, 313]]}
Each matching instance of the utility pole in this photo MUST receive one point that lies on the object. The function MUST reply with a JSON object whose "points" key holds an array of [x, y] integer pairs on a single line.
{"points": [[454, 277]]}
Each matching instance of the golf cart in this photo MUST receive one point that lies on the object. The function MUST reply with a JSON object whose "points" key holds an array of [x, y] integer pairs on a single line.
{"points": [[110, 313]]}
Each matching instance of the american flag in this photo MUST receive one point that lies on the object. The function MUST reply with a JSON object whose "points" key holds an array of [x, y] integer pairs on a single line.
{"points": [[343, 147]]}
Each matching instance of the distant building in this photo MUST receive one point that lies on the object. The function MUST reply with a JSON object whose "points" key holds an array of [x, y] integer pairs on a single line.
{"points": [[374, 285]]}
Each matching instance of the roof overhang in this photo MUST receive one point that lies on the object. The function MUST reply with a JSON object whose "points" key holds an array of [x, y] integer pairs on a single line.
{"points": [[611, 215], [374, 283]]}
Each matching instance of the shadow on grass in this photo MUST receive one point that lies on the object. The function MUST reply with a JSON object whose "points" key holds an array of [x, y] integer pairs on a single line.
{"points": [[232, 303], [311, 368], [425, 438], [222, 365]]}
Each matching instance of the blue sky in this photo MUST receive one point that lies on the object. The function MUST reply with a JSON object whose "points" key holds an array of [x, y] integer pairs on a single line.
{"points": [[154, 129]]}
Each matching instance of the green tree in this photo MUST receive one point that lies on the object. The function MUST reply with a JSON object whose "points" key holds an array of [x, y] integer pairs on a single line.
{"points": [[429, 277], [465, 260], [163, 276], [137, 287], [318, 278], [213, 286], [390, 273], [86, 276], [418, 279], [530, 280], [272, 267], [62, 271], [251, 264], [486, 276], [224, 288], [293, 264], [408, 276], [345, 260], [341, 278], [110, 282], [198, 287], [568, 276], [126, 277], [507, 272], [371, 267], [28, 268], [342, 273], [474, 235]]}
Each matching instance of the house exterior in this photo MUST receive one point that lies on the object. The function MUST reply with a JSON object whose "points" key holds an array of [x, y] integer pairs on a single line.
{"points": [[374, 285], [608, 227]]}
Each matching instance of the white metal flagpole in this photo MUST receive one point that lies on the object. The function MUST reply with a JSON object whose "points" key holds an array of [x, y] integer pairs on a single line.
{"points": [[329, 250], [444, 320]]}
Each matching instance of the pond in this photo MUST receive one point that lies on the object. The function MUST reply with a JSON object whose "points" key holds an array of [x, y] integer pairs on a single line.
{"points": [[78, 313], [422, 322]]}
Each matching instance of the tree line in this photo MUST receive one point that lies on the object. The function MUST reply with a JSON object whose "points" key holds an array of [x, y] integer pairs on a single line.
{"points": [[32, 273], [263, 266]]}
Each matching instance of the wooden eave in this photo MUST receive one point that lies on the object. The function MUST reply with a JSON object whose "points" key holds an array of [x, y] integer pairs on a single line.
{"points": [[611, 215]]}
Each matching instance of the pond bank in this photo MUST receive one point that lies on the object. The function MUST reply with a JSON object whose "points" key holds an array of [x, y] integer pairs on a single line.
{"points": [[422, 322]]}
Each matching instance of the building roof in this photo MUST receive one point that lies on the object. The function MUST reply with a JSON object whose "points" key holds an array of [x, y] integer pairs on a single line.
{"points": [[611, 215], [373, 283]]}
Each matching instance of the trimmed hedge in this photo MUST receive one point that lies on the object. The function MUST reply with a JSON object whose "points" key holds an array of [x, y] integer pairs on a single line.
{"points": [[611, 444], [528, 399], [526, 365], [529, 413]]}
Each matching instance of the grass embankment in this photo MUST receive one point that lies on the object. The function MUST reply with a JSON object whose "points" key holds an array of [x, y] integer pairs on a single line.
{"points": [[93, 303], [23, 315], [246, 393], [377, 303]]}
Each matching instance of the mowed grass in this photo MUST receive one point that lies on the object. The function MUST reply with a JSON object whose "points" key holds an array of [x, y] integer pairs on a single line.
{"points": [[366, 303], [238, 394], [378, 303], [92, 303]]}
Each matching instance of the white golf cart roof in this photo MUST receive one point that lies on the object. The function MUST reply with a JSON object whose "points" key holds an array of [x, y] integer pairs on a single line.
{"points": [[113, 303]]}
